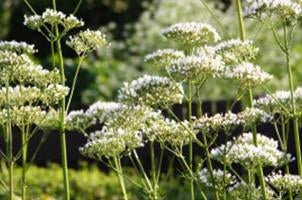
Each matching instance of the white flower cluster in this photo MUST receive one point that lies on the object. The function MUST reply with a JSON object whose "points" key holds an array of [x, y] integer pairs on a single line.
{"points": [[271, 103], [52, 17], [164, 57], [151, 90], [87, 41], [110, 142], [285, 182], [218, 122], [53, 93], [248, 74], [167, 131], [35, 90], [20, 95], [123, 130], [229, 121], [243, 151], [98, 112], [251, 116], [205, 63], [242, 191], [17, 47], [285, 9], [19, 68], [191, 34], [21, 116], [235, 51], [221, 179]]}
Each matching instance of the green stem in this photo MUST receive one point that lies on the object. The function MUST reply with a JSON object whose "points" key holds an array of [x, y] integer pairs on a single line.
{"points": [[250, 182], [293, 104], [10, 144], [243, 37], [62, 120], [24, 159], [254, 131], [240, 19], [284, 148], [142, 171], [54, 5], [209, 164], [153, 172], [191, 139], [77, 7], [117, 163], [53, 55], [74, 83]]}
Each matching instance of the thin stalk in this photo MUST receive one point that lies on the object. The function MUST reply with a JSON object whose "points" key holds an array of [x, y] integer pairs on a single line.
{"points": [[24, 134], [224, 175], [74, 83], [254, 129], [77, 7], [191, 139], [250, 182], [284, 148], [199, 103], [117, 163], [9, 145], [62, 120], [209, 164], [293, 104], [53, 54], [30, 7], [142, 170], [153, 172], [216, 18], [240, 19], [160, 164], [24, 160]]}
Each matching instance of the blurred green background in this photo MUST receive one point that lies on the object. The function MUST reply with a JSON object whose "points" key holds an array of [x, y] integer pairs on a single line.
{"points": [[133, 28]]}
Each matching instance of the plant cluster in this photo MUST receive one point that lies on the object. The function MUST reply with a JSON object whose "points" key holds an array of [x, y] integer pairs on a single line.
{"points": [[34, 98], [201, 55]]}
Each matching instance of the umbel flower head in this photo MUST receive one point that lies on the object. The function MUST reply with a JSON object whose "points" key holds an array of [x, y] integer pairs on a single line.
{"points": [[236, 51], [286, 182], [194, 68], [242, 191], [191, 34], [248, 74], [169, 132], [271, 103], [243, 151], [52, 18], [283, 9], [20, 69], [17, 47], [164, 57], [123, 131], [35, 92], [152, 91], [229, 121], [87, 41], [221, 179], [32, 95]]}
